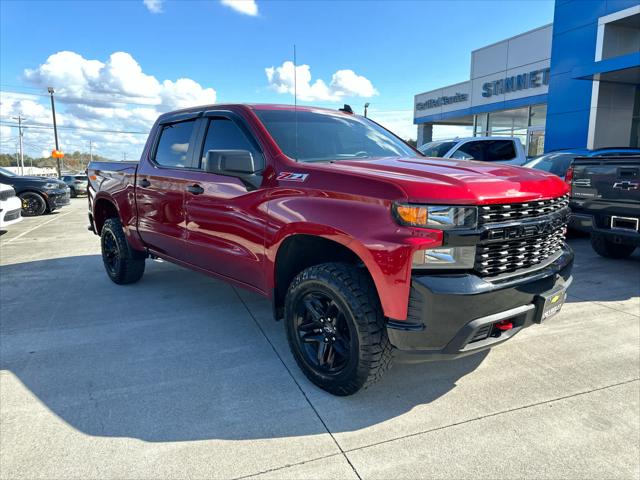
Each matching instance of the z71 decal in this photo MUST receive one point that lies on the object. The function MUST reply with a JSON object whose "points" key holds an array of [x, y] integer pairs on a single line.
{"points": [[292, 177]]}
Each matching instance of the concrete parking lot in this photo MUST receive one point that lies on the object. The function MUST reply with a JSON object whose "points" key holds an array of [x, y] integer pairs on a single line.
{"points": [[183, 376]]}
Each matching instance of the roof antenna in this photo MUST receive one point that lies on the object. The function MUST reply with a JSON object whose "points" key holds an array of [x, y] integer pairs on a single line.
{"points": [[295, 96]]}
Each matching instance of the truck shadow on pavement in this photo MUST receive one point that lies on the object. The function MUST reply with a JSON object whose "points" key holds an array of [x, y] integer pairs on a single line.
{"points": [[175, 357]]}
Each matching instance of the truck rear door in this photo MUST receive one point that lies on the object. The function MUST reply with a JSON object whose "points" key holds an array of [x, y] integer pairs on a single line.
{"points": [[604, 184], [161, 181]]}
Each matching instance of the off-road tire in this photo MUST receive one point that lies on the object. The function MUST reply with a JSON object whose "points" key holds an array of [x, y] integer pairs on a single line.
{"points": [[351, 288], [607, 248], [128, 266]]}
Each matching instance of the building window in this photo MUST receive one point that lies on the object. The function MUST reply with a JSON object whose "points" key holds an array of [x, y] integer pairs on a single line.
{"points": [[538, 116]]}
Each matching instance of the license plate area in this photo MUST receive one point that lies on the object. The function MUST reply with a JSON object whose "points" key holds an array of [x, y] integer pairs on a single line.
{"points": [[628, 224], [550, 303]]}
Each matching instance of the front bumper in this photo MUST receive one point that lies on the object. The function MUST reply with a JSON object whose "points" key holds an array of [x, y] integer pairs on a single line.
{"points": [[455, 315], [58, 198], [10, 211]]}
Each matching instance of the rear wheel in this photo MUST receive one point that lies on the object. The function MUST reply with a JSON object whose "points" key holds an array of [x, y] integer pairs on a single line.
{"points": [[609, 249], [335, 328], [122, 263], [33, 204]]}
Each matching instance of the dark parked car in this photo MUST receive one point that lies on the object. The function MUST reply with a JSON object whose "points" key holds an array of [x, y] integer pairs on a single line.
{"points": [[77, 184], [559, 161], [38, 194]]}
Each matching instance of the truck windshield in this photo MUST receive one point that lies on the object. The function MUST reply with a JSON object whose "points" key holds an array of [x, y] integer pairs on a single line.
{"points": [[327, 136]]}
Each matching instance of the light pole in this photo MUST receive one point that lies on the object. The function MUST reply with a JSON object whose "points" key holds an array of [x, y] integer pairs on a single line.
{"points": [[55, 130], [366, 106], [20, 118]]}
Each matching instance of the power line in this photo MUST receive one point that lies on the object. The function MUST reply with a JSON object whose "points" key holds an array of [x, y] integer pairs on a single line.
{"points": [[43, 126]]}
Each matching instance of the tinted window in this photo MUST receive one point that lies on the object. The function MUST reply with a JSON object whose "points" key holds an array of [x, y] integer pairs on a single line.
{"points": [[489, 150], [66, 179], [224, 134], [81, 177], [436, 149], [174, 144], [310, 136]]}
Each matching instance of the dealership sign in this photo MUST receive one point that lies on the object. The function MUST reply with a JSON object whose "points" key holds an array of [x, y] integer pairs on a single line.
{"points": [[440, 101], [532, 79]]}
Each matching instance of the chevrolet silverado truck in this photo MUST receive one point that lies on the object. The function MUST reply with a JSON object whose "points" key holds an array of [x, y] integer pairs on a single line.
{"points": [[366, 249], [605, 202]]}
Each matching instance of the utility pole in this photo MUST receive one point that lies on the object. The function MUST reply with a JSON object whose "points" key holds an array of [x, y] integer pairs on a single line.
{"points": [[20, 118], [91, 150], [55, 129]]}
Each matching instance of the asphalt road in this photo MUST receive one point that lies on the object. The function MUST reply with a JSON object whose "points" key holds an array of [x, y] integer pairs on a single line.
{"points": [[183, 376]]}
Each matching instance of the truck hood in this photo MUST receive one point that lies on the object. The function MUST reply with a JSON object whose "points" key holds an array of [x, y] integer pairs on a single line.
{"points": [[457, 181]]}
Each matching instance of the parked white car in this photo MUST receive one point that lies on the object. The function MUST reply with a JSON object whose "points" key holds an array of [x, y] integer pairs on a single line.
{"points": [[486, 149], [10, 206]]}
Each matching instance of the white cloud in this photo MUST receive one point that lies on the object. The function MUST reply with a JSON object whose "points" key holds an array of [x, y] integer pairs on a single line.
{"points": [[115, 94], [154, 6], [344, 83], [245, 7]]}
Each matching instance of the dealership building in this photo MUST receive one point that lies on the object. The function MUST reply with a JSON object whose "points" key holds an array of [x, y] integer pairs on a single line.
{"points": [[571, 84]]}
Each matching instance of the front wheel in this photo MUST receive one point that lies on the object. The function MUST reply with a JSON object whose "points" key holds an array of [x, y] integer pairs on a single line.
{"points": [[335, 328], [33, 204], [122, 263], [609, 249]]}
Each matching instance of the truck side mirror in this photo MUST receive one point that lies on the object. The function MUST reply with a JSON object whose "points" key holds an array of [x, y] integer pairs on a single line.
{"points": [[231, 162]]}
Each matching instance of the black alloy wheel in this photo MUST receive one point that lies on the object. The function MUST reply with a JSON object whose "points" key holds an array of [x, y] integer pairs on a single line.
{"points": [[122, 263], [323, 334], [32, 204], [110, 253], [336, 328]]}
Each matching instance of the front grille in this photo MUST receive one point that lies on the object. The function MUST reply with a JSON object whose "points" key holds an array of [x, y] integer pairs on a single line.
{"points": [[521, 211], [7, 194], [512, 255]]}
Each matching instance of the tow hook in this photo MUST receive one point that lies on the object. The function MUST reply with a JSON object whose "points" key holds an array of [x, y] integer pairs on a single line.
{"points": [[504, 325]]}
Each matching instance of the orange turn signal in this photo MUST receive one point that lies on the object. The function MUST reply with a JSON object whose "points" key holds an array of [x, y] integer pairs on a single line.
{"points": [[412, 214]]}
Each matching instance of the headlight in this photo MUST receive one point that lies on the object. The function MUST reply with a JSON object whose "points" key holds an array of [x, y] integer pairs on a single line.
{"points": [[51, 186], [445, 257], [440, 217]]}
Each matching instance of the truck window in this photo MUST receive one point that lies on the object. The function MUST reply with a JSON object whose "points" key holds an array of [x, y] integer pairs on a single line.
{"points": [[308, 136], [174, 144], [224, 134], [436, 149], [489, 150]]}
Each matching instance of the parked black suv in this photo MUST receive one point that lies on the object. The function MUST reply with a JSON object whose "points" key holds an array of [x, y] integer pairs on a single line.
{"points": [[38, 194]]}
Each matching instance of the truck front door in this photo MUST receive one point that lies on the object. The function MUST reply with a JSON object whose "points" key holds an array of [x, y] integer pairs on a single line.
{"points": [[225, 226]]}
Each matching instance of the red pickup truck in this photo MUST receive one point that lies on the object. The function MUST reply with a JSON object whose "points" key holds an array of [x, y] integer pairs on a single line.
{"points": [[367, 249]]}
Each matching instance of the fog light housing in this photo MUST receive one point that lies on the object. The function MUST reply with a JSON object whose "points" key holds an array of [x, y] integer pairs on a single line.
{"points": [[445, 258]]}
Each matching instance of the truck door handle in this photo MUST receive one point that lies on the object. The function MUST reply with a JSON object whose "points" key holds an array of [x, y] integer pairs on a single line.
{"points": [[144, 183], [195, 189]]}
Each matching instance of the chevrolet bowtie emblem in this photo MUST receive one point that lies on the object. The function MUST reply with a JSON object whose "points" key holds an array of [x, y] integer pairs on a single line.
{"points": [[626, 185]]}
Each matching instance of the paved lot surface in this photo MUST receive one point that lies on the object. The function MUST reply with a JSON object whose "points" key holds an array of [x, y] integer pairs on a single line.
{"points": [[183, 376]]}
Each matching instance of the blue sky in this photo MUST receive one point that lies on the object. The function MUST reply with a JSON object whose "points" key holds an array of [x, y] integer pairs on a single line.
{"points": [[380, 52]]}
